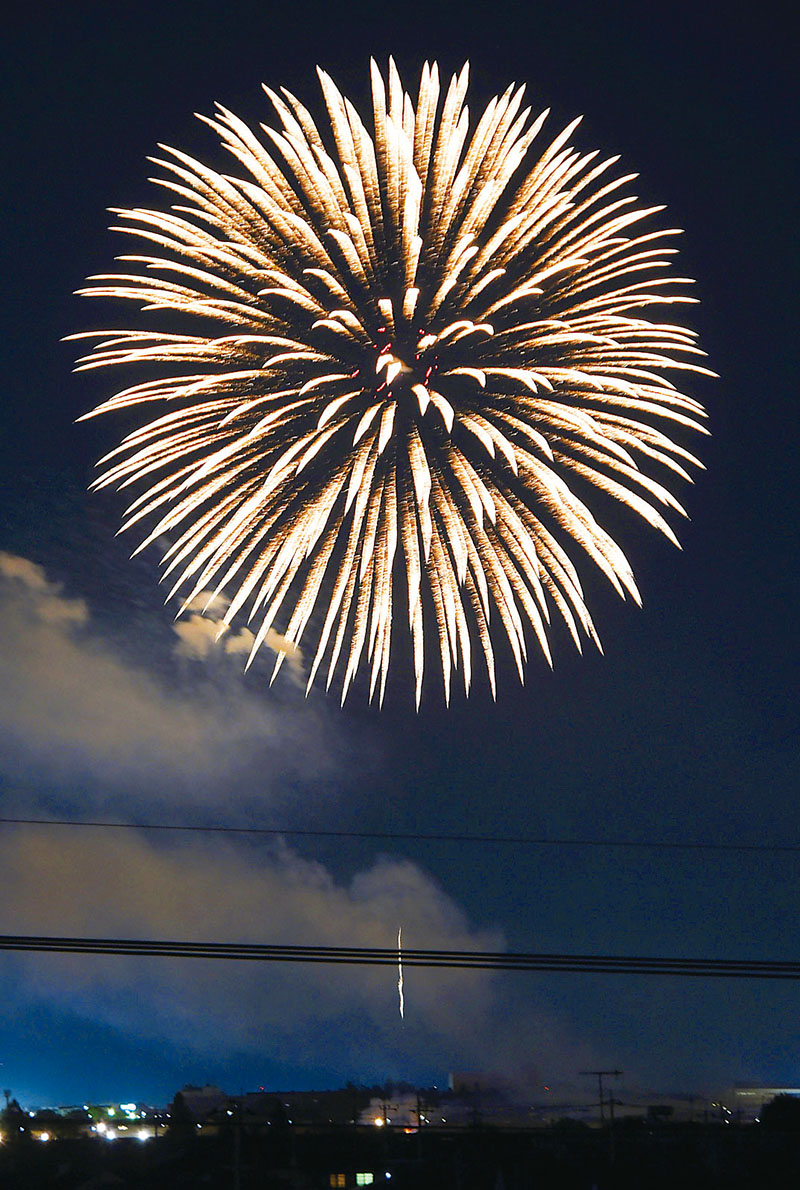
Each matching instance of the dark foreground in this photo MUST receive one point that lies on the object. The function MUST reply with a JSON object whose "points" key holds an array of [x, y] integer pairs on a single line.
{"points": [[678, 1157]]}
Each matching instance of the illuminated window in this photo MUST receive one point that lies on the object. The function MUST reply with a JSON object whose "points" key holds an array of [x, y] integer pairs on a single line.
{"points": [[338, 1179], [364, 1179]]}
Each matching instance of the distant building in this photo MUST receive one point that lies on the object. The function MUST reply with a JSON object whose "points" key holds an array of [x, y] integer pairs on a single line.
{"points": [[200, 1101], [747, 1102]]}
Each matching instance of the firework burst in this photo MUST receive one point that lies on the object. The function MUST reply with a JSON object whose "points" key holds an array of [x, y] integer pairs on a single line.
{"points": [[394, 358]]}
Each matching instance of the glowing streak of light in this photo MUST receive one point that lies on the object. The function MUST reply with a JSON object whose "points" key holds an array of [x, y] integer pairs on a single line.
{"points": [[401, 998], [393, 366]]}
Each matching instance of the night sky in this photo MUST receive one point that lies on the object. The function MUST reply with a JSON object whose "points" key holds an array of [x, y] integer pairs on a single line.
{"points": [[685, 730]]}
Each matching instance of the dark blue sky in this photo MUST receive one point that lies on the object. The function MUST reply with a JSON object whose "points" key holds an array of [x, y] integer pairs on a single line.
{"points": [[685, 730]]}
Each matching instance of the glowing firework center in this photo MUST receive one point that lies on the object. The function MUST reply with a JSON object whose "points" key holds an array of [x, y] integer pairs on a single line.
{"points": [[395, 370]]}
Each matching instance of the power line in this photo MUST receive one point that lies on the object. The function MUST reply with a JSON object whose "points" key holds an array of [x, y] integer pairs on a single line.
{"points": [[410, 836], [378, 957]]}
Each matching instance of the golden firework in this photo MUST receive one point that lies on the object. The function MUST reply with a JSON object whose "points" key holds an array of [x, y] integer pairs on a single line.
{"points": [[391, 358]]}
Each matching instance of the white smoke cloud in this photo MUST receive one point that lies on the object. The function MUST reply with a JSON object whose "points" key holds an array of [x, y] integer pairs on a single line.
{"points": [[202, 634], [71, 706], [22, 576], [77, 714], [104, 884]]}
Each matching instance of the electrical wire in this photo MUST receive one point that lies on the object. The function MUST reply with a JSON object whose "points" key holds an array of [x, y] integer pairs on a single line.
{"points": [[377, 957], [411, 836]]}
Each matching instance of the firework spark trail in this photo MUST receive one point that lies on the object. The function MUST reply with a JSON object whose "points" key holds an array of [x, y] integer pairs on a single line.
{"points": [[401, 997], [394, 364]]}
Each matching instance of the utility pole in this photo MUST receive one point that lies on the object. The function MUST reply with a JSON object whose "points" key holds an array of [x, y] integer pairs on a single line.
{"points": [[419, 1126], [599, 1075], [237, 1146]]}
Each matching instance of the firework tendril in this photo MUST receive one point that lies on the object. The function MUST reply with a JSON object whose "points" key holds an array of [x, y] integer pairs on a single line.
{"points": [[398, 361]]}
